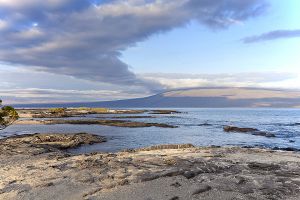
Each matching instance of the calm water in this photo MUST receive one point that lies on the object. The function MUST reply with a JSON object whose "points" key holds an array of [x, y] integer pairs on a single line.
{"points": [[284, 123]]}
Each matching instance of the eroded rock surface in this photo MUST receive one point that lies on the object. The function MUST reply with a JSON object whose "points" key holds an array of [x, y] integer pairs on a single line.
{"points": [[167, 172], [42, 143]]}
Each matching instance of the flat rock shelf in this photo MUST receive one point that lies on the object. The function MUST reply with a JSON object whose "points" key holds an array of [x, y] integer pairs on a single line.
{"points": [[38, 168]]}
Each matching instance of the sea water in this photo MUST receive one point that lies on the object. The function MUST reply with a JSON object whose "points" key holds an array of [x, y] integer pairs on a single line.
{"points": [[201, 127]]}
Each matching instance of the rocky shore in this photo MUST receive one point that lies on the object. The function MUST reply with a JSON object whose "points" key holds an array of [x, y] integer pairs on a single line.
{"points": [[75, 112], [71, 112], [38, 167], [58, 116], [103, 122]]}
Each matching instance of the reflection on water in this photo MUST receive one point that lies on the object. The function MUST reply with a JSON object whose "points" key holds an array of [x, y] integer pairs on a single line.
{"points": [[202, 127]]}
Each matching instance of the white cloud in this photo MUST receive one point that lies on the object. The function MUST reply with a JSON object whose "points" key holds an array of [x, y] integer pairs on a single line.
{"points": [[37, 95], [3, 25], [42, 87], [262, 79]]}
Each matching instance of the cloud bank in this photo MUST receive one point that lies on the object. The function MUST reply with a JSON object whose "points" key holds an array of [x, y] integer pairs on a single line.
{"points": [[37, 95], [42, 87], [84, 38], [272, 35], [260, 79]]}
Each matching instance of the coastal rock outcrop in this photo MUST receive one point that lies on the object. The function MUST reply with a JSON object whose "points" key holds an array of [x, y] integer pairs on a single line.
{"points": [[103, 122], [164, 112], [160, 172], [252, 131], [42, 143]]}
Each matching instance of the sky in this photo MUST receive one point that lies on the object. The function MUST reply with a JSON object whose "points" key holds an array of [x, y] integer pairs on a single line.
{"points": [[93, 50]]}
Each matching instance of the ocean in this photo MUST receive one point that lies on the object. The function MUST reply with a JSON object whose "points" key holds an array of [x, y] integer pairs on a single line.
{"points": [[198, 126]]}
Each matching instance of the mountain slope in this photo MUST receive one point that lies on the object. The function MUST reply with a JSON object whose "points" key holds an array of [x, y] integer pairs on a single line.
{"points": [[206, 98], [216, 98]]}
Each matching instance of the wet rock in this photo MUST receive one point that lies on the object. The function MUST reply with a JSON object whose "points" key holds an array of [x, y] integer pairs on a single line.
{"points": [[286, 149], [163, 112], [252, 131], [238, 129], [265, 134], [117, 123], [132, 117], [205, 124]]}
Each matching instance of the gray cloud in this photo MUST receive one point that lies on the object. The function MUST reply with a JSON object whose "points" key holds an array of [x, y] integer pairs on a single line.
{"points": [[273, 35], [84, 40]]}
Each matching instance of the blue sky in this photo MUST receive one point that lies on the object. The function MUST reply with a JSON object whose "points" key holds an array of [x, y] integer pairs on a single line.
{"points": [[201, 50], [82, 50]]}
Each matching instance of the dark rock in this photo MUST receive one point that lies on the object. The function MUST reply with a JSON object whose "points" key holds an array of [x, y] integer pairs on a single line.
{"points": [[12, 182], [162, 112], [189, 174], [131, 117], [117, 123], [263, 166], [172, 172], [238, 129], [240, 180], [201, 189], [148, 177], [253, 131], [294, 124], [176, 184], [286, 149], [47, 184], [205, 124], [265, 134]]}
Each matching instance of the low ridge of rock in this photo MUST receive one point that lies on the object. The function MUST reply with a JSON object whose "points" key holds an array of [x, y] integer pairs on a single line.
{"points": [[252, 131]]}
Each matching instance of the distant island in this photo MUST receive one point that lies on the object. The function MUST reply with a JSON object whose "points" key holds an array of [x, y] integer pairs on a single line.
{"points": [[204, 97]]}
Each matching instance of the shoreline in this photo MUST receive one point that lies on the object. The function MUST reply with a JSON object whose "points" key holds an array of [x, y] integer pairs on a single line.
{"points": [[62, 116], [35, 171], [141, 118], [103, 122]]}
